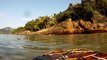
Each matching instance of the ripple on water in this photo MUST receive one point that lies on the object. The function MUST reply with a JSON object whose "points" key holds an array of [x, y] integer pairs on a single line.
{"points": [[15, 47]]}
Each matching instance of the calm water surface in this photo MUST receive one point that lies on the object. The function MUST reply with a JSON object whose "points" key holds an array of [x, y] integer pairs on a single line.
{"points": [[26, 47]]}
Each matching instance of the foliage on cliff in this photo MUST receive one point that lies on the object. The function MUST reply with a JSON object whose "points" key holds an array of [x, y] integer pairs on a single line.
{"points": [[88, 10]]}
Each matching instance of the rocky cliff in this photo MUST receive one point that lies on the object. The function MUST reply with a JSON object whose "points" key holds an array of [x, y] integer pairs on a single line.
{"points": [[74, 27]]}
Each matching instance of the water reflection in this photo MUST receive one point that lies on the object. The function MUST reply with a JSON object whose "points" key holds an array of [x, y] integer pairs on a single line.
{"points": [[96, 42]]}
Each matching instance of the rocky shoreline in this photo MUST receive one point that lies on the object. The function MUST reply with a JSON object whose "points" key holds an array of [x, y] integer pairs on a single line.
{"points": [[71, 27]]}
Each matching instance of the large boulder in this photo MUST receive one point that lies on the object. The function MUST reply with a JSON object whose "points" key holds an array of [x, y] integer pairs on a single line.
{"points": [[65, 27], [86, 25]]}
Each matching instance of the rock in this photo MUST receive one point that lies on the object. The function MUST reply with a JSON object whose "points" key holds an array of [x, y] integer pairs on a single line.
{"points": [[81, 23], [101, 25], [65, 27], [94, 26], [79, 29], [100, 28], [70, 27], [75, 24], [86, 25]]}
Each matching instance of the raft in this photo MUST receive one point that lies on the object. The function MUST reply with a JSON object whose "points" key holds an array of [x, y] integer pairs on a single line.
{"points": [[72, 54]]}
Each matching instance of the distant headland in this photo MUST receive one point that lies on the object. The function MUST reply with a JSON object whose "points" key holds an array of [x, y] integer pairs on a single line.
{"points": [[6, 30]]}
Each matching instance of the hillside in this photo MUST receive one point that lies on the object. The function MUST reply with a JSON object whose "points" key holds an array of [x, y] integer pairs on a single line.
{"points": [[6, 30], [92, 11]]}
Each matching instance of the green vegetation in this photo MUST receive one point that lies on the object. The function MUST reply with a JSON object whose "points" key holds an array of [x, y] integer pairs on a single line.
{"points": [[19, 29], [88, 10], [40, 23]]}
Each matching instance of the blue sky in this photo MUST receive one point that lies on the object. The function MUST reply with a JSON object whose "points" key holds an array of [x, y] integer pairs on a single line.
{"points": [[15, 13]]}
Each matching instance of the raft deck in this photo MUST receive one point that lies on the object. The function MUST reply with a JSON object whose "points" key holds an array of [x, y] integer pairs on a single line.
{"points": [[72, 54]]}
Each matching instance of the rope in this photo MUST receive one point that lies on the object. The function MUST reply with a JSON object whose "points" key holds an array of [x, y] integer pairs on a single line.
{"points": [[99, 58]]}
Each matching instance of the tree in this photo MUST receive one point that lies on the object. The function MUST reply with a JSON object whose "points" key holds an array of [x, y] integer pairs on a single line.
{"points": [[82, 12], [29, 25], [19, 29], [62, 16], [101, 6]]}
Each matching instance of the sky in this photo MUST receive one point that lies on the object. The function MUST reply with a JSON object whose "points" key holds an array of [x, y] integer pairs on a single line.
{"points": [[16, 13]]}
